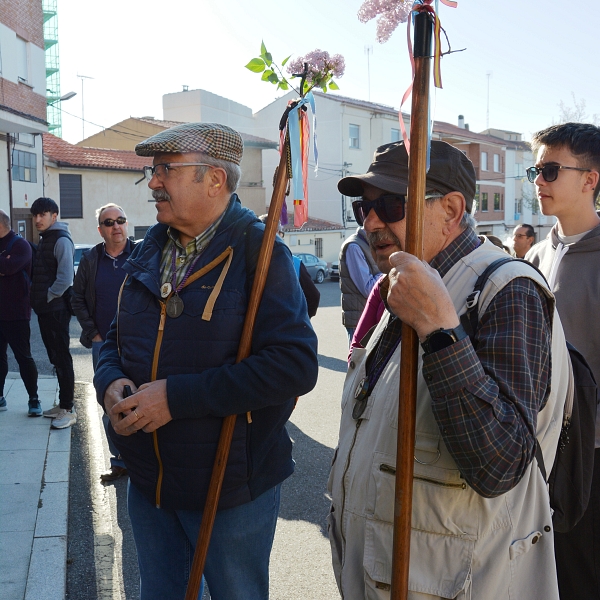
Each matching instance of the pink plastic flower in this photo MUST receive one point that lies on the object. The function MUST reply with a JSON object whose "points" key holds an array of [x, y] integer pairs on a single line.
{"points": [[390, 12], [320, 65]]}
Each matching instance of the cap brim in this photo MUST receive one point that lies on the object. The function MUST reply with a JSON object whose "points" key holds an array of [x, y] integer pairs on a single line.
{"points": [[353, 185]]}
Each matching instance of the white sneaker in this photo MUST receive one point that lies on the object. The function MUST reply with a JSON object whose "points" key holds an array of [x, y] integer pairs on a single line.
{"points": [[52, 412], [64, 418]]}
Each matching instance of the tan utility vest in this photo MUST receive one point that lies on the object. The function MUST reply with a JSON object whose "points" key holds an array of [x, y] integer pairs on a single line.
{"points": [[462, 544]]}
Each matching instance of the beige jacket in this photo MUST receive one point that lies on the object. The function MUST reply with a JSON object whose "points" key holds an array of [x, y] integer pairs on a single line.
{"points": [[462, 544]]}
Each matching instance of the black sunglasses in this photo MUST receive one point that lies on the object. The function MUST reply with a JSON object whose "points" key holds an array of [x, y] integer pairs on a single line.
{"points": [[111, 222], [549, 172], [388, 207]]}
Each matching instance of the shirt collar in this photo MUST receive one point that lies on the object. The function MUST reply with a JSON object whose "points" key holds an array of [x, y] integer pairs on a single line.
{"points": [[464, 244]]}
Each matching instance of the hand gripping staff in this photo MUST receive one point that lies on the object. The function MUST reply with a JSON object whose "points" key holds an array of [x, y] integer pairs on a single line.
{"points": [[260, 279], [417, 170]]}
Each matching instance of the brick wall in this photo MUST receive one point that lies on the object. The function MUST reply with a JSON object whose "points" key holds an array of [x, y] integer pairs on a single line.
{"points": [[20, 96], [25, 17]]}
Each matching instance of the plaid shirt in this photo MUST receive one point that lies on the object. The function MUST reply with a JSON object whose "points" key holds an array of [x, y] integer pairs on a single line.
{"points": [[486, 397], [184, 256]]}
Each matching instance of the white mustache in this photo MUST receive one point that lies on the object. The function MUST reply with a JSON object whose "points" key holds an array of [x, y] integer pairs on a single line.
{"points": [[161, 196]]}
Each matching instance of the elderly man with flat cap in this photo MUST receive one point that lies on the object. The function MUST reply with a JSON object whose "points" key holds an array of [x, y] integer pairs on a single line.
{"points": [[481, 519], [174, 342]]}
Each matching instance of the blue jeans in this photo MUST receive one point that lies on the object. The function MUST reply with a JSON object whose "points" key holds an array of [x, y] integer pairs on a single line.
{"points": [[115, 457], [237, 565]]}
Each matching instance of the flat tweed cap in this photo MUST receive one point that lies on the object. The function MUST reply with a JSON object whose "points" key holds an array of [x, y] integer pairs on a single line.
{"points": [[214, 139], [450, 171]]}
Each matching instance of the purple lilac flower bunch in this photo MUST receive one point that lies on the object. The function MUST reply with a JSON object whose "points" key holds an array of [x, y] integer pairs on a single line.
{"points": [[390, 12]]}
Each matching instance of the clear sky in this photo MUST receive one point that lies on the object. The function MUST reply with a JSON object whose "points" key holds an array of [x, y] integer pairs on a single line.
{"points": [[538, 54]]}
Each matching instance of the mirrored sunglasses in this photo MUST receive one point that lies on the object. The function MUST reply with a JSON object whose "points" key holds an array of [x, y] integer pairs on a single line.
{"points": [[549, 172], [111, 222]]}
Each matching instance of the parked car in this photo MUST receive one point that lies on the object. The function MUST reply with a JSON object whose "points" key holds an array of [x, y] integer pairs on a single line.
{"points": [[334, 272], [316, 267], [79, 250]]}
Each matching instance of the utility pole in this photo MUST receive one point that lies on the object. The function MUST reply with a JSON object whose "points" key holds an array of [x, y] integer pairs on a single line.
{"points": [[368, 52], [345, 166], [82, 77], [487, 119]]}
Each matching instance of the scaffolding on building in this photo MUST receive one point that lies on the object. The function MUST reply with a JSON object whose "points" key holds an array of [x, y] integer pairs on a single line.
{"points": [[53, 113]]}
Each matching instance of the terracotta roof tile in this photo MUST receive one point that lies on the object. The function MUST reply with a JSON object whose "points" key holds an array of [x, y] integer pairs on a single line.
{"points": [[311, 225], [68, 155]]}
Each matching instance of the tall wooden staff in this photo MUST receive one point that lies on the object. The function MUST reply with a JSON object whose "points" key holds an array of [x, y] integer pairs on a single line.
{"points": [[417, 166], [218, 473]]}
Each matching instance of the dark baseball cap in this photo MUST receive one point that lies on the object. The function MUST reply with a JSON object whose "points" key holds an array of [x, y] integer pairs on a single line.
{"points": [[450, 171]]}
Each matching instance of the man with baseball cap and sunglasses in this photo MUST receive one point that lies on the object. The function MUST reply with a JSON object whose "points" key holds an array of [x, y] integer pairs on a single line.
{"points": [[481, 520]]}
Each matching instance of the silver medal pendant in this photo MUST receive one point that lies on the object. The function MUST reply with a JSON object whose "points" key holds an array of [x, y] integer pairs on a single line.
{"points": [[174, 306], [165, 289]]}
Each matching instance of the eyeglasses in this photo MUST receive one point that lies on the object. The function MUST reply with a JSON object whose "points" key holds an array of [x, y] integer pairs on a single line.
{"points": [[162, 170], [519, 235], [390, 208], [111, 222], [549, 172]]}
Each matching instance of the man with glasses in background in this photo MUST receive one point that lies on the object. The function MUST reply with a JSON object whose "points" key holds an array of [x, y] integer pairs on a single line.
{"points": [[175, 342], [523, 239], [566, 176], [95, 293], [481, 520]]}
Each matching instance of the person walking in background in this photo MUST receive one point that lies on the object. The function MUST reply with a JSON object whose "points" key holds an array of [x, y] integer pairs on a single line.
{"points": [[524, 239], [358, 274], [567, 179], [95, 294], [52, 278], [15, 312]]}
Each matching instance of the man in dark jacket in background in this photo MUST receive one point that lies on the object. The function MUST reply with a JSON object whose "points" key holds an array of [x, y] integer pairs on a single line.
{"points": [[95, 293], [52, 278], [15, 312], [175, 341]]}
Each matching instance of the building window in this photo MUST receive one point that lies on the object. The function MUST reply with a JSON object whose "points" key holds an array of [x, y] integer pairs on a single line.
{"points": [[496, 163], [498, 201], [519, 205], [394, 135], [354, 133], [319, 247], [24, 166], [484, 202], [476, 198], [484, 161], [22, 60], [71, 200], [139, 231]]}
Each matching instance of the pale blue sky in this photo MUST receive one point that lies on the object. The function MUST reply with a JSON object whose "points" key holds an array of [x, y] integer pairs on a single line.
{"points": [[539, 53]]}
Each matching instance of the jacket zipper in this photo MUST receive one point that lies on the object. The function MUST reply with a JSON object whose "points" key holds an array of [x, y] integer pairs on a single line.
{"points": [[346, 467], [159, 337], [392, 471]]}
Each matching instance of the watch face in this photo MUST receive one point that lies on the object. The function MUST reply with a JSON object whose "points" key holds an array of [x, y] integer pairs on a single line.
{"points": [[440, 340]]}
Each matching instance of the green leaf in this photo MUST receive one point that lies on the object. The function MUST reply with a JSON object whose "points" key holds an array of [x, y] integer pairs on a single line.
{"points": [[268, 59], [267, 73], [285, 60], [333, 85], [256, 65], [283, 85], [324, 88], [273, 78], [263, 48]]}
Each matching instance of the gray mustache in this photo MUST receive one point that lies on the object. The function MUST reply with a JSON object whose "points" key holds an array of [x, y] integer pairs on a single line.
{"points": [[382, 237], [159, 195]]}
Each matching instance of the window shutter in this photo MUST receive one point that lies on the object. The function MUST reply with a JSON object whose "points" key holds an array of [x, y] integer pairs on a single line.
{"points": [[71, 204]]}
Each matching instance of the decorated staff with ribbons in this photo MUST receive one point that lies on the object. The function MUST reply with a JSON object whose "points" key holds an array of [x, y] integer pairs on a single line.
{"points": [[481, 524], [174, 342]]}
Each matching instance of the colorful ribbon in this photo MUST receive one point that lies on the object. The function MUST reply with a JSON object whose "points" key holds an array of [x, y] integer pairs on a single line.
{"points": [[418, 7]]}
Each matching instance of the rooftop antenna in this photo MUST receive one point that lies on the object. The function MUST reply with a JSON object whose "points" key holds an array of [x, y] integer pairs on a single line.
{"points": [[368, 52], [82, 77], [487, 118]]}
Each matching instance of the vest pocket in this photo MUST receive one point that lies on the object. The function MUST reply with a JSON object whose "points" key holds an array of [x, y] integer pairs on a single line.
{"points": [[439, 565], [519, 547]]}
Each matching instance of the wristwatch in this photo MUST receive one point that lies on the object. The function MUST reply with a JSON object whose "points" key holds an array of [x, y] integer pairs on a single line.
{"points": [[442, 338]]}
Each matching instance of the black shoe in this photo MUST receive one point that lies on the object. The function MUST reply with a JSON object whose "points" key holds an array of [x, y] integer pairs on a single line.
{"points": [[113, 473], [35, 408]]}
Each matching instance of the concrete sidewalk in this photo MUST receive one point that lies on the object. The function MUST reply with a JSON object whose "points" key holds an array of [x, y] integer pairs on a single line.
{"points": [[34, 496]]}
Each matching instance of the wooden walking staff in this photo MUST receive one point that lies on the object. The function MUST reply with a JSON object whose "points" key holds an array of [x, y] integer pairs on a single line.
{"points": [[260, 279], [417, 168]]}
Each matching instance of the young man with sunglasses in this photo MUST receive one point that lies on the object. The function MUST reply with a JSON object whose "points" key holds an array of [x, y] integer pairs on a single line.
{"points": [[481, 520], [566, 176], [51, 281], [95, 293]]}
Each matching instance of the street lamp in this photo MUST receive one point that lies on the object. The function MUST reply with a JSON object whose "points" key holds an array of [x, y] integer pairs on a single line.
{"points": [[82, 77]]}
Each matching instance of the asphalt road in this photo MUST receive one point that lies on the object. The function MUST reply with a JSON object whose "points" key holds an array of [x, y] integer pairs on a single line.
{"points": [[101, 552]]}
